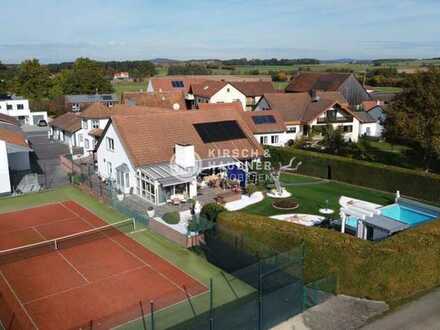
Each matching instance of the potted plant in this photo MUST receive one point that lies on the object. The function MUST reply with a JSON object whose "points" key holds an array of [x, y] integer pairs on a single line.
{"points": [[120, 195], [150, 211]]}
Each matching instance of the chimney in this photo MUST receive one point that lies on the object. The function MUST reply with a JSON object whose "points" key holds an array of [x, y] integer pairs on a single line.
{"points": [[185, 155]]}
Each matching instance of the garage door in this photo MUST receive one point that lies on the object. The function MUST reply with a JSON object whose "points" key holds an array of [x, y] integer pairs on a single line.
{"points": [[37, 118]]}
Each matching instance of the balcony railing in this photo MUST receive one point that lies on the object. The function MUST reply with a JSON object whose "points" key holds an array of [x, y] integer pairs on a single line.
{"points": [[334, 120]]}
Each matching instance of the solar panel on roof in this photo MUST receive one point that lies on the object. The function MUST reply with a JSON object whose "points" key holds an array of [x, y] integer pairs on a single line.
{"points": [[177, 83], [259, 120], [219, 131]]}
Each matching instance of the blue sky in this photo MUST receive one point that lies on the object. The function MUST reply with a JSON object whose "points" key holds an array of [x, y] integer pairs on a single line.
{"points": [[62, 30]]}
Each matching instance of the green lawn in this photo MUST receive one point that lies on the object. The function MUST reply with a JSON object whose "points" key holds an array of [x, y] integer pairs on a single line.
{"points": [[312, 194], [386, 89], [122, 87], [186, 260]]}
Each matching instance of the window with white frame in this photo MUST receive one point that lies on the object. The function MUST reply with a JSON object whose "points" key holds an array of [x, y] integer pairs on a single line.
{"points": [[8, 106], [274, 139], [109, 169], [145, 187], [80, 138], [86, 144], [84, 124], [348, 129], [76, 107], [110, 144], [20, 106], [291, 129], [263, 139], [95, 123]]}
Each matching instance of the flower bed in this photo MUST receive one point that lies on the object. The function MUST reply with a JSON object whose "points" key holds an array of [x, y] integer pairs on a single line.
{"points": [[285, 204]]}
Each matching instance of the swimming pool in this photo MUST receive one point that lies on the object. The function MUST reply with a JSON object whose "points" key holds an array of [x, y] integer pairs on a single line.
{"points": [[407, 215]]}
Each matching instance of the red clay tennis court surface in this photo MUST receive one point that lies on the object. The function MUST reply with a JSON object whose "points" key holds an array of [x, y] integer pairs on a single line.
{"points": [[101, 279]]}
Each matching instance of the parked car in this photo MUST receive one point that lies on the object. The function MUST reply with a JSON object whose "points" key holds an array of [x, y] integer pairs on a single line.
{"points": [[42, 123]]}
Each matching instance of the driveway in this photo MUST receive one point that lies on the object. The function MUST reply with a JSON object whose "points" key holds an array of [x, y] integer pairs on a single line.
{"points": [[45, 159], [421, 314]]}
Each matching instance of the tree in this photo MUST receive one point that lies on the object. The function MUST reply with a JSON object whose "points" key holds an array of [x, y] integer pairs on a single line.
{"points": [[188, 69], [32, 80], [85, 77], [3, 86], [415, 114], [333, 140]]}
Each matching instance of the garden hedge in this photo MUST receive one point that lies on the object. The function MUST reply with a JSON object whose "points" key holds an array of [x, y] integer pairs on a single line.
{"points": [[391, 270], [412, 183]]}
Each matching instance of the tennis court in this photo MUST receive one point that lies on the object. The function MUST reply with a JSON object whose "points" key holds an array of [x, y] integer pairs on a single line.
{"points": [[78, 272]]}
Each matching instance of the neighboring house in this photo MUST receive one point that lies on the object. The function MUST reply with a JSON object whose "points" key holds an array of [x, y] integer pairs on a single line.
{"points": [[66, 129], [121, 76], [93, 121], [168, 100], [144, 154], [247, 93], [78, 103], [267, 128], [375, 109], [14, 152], [302, 113], [253, 91], [18, 108], [344, 83], [95, 118], [183, 83]]}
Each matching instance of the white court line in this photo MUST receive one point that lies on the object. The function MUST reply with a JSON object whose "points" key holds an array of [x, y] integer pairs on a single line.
{"points": [[64, 258], [18, 299], [134, 255]]}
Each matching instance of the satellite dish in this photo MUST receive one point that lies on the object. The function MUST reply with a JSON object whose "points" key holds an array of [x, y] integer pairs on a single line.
{"points": [[176, 106]]}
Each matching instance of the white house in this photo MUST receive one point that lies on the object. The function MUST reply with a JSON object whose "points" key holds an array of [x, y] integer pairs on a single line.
{"points": [[302, 113], [160, 155], [66, 129], [18, 108], [14, 152], [247, 93]]}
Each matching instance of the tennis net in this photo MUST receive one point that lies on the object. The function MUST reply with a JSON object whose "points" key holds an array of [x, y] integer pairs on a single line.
{"points": [[64, 242]]}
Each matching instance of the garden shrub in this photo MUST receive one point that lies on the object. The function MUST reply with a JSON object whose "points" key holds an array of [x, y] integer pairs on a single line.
{"points": [[171, 218], [391, 270], [417, 184], [211, 211]]}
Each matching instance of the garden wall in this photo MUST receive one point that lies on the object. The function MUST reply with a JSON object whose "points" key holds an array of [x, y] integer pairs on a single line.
{"points": [[391, 270], [411, 183]]}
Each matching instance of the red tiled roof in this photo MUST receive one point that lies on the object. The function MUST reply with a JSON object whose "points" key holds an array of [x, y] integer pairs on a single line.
{"points": [[69, 122], [277, 127], [221, 106], [146, 143], [254, 88], [306, 82], [290, 106], [13, 137], [96, 111], [156, 99], [207, 88], [369, 105], [164, 84]]}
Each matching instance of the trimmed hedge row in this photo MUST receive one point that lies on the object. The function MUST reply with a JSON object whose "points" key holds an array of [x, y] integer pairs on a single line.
{"points": [[391, 270], [411, 183]]}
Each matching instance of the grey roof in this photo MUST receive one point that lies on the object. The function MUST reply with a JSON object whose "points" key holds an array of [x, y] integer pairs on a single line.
{"points": [[388, 224], [91, 98], [164, 174], [364, 117]]}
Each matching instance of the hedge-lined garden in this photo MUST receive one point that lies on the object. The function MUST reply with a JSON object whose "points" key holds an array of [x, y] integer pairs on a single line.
{"points": [[411, 183], [391, 270]]}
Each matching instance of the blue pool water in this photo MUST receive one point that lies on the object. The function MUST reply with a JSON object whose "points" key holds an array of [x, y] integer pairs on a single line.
{"points": [[407, 215]]}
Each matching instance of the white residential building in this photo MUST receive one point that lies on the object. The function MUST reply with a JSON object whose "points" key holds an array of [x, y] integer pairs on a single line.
{"points": [[19, 109], [140, 158]]}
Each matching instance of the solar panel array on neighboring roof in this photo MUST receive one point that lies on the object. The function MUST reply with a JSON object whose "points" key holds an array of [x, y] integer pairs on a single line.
{"points": [[219, 131], [259, 120], [177, 83]]}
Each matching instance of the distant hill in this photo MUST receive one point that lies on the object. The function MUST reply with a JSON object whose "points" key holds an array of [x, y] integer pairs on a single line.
{"points": [[162, 61]]}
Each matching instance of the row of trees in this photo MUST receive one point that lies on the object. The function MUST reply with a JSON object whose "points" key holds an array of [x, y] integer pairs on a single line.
{"points": [[414, 117], [272, 61]]}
